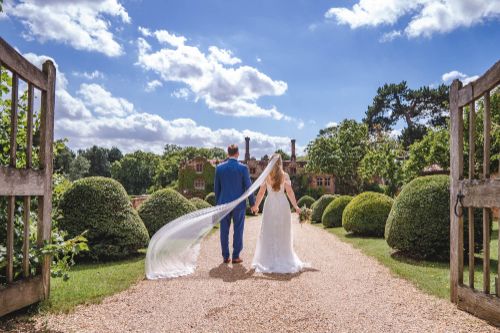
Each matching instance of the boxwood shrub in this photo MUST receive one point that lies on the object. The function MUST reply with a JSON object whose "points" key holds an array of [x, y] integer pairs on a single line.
{"points": [[319, 207], [101, 206], [162, 207], [366, 214], [210, 198], [306, 200], [332, 216], [419, 222], [199, 203]]}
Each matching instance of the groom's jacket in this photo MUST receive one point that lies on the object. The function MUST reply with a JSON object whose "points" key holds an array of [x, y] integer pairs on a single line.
{"points": [[232, 179]]}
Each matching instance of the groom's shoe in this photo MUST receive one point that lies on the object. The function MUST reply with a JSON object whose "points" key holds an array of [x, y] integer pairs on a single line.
{"points": [[237, 261], [227, 261]]}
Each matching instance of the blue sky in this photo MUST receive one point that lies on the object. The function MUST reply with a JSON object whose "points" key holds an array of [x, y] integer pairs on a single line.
{"points": [[139, 74]]}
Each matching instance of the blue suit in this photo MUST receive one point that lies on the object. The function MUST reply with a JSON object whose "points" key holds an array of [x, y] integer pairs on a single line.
{"points": [[232, 179]]}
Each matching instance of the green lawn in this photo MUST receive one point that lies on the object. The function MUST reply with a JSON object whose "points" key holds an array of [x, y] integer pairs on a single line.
{"points": [[431, 277], [90, 283]]}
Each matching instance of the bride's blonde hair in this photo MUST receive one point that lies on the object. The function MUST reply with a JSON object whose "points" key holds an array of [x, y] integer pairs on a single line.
{"points": [[277, 175]]}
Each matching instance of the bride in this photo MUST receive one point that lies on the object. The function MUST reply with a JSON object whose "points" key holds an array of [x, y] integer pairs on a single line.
{"points": [[274, 252]]}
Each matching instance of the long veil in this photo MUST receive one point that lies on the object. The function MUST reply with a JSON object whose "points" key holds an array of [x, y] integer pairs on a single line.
{"points": [[174, 249]]}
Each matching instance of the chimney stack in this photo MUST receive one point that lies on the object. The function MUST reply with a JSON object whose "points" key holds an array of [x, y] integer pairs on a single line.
{"points": [[293, 158], [247, 149]]}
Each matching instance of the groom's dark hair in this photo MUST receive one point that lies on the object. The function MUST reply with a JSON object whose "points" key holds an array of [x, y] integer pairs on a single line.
{"points": [[232, 150]]}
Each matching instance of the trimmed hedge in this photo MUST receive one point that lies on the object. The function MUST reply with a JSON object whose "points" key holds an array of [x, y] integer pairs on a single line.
{"points": [[367, 213], [306, 200], [318, 207], [210, 198], [101, 206], [332, 216], [419, 222], [162, 207], [199, 203]]}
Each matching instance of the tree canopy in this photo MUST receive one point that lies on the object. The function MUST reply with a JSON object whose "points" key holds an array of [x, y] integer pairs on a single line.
{"points": [[418, 108]]}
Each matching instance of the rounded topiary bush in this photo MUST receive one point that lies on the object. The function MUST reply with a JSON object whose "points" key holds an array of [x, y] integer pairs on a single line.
{"points": [[332, 216], [306, 200], [210, 198], [101, 206], [199, 203], [319, 207], [162, 207], [367, 213], [419, 222]]}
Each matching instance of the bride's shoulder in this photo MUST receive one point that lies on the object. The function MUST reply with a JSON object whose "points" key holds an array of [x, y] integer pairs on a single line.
{"points": [[287, 178]]}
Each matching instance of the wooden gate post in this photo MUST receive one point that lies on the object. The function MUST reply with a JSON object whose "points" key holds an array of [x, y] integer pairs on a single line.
{"points": [[456, 174]]}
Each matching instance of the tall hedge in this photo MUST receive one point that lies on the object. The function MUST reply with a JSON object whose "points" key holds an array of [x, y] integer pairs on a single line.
{"points": [[101, 206], [319, 207], [332, 216], [419, 222], [210, 198], [162, 207], [199, 203], [366, 214], [306, 200]]}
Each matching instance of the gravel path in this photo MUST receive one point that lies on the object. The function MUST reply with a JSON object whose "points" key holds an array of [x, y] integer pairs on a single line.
{"points": [[345, 291]]}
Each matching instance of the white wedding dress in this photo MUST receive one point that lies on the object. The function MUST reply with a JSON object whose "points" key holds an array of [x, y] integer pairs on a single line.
{"points": [[274, 252]]}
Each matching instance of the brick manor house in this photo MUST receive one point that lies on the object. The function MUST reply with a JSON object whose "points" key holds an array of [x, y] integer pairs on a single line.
{"points": [[196, 176]]}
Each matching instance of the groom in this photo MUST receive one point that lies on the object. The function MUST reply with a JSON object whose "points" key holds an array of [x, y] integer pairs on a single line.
{"points": [[232, 179]]}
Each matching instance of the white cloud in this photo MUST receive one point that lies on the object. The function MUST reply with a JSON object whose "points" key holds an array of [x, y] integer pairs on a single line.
{"points": [[426, 17], [332, 124], [83, 24], [259, 59], [390, 36], [211, 77], [182, 93], [96, 116], [153, 85], [89, 76], [450, 76]]}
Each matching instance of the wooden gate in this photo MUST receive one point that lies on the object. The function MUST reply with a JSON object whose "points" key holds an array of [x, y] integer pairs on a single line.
{"points": [[28, 181], [477, 191]]}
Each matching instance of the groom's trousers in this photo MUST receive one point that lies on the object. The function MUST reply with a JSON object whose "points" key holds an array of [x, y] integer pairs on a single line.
{"points": [[238, 217]]}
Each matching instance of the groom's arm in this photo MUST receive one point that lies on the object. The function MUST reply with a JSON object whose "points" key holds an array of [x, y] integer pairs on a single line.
{"points": [[217, 185], [247, 183]]}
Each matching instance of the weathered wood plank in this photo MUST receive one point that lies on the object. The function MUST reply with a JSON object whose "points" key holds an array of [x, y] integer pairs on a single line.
{"points": [[456, 173], [477, 88], [20, 294], [11, 208], [29, 125], [26, 236], [479, 304], [13, 119], [21, 182], [486, 175], [470, 211], [46, 162], [15, 62], [481, 193]]}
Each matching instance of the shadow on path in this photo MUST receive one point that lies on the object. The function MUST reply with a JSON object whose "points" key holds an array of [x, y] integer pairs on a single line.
{"points": [[233, 273]]}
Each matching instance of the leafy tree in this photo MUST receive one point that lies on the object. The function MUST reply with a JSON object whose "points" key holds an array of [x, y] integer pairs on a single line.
{"points": [[114, 155], [397, 102], [434, 148], [63, 156], [382, 162], [79, 168], [136, 171], [284, 156], [99, 161], [339, 151]]}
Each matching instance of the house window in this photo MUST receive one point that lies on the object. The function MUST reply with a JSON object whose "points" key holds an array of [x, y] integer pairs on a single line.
{"points": [[199, 184], [327, 181], [199, 168], [319, 181], [252, 170]]}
